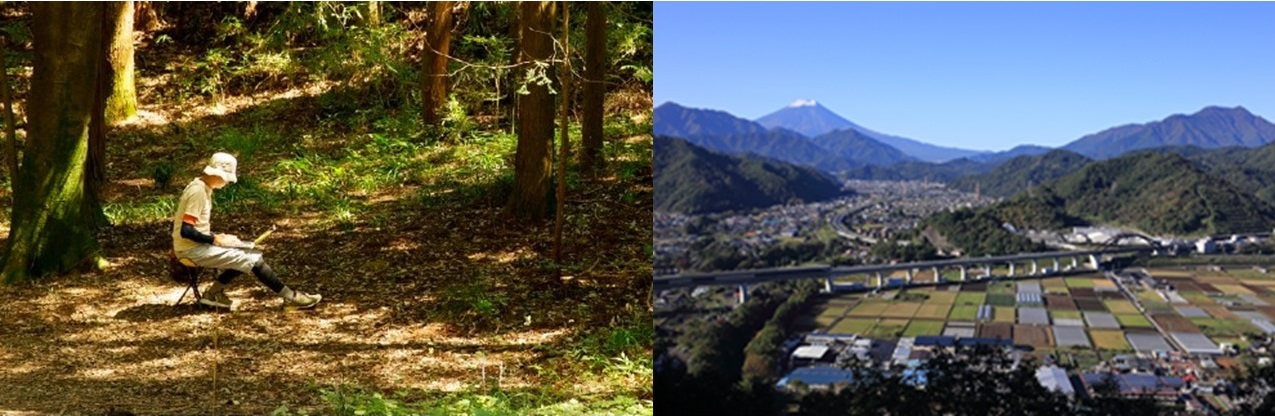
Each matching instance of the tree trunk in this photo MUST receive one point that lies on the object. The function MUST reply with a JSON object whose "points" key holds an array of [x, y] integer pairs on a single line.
{"points": [[532, 162], [510, 78], [563, 141], [121, 100], [114, 86], [146, 17], [594, 89], [10, 124], [373, 13], [250, 10], [434, 62], [49, 214]]}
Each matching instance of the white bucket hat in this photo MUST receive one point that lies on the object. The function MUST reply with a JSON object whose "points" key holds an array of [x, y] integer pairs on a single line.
{"points": [[222, 165]]}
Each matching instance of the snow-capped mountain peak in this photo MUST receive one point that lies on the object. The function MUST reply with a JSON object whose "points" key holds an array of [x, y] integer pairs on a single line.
{"points": [[803, 103]]}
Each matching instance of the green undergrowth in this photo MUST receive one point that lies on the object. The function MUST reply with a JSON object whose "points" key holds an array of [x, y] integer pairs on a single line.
{"points": [[354, 401], [288, 173]]}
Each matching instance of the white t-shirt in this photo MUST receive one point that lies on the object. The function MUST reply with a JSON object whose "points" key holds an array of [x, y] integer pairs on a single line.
{"points": [[195, 202]]}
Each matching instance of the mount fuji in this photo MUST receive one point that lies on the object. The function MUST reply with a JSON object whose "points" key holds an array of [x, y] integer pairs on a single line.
{"points": [[812, 119]]}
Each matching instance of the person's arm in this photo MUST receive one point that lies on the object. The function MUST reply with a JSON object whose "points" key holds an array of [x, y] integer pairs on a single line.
{"points": [[189, 232]]}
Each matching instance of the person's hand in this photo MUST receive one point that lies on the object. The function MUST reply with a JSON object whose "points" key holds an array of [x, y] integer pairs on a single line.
{"points": [[224, 240]]}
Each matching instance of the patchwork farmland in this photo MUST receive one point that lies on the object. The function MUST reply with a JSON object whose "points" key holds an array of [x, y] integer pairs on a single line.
{"points": [[1143, 310]]}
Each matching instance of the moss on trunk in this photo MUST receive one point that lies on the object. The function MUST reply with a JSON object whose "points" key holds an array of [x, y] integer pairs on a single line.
{"points": [[50, 231], [121, 98]]}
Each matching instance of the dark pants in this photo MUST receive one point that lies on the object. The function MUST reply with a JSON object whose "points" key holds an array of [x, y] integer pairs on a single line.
{"points": [[263, 272]]}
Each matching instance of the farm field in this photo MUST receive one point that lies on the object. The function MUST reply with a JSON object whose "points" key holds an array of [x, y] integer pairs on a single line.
{"points": [[1082, 318]]}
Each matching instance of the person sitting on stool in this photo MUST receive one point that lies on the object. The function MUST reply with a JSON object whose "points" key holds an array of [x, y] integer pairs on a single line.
{"points": [[193, 239]]}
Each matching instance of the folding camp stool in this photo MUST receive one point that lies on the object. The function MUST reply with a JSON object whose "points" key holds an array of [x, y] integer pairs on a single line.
{"points": [[186, 271]]}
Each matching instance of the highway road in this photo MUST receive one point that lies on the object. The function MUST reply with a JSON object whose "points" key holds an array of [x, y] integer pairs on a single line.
{"points": [[746, 277]]}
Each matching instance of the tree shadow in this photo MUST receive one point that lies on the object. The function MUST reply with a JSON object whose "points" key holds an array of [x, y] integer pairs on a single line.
{"points": [[153, 312]]}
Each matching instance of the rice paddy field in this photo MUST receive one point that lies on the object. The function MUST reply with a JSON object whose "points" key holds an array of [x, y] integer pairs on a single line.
{"points": [[1082, 313]]}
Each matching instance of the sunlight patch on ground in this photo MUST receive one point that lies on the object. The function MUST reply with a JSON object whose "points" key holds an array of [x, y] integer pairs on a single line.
{"points": [[533, 337], [144, 118], [190, 364], [455, 371], [404, 244], [437, 333], [503, 257], [137, 183], [286, 365], [125, 331], [72, 296], [11, 365]]}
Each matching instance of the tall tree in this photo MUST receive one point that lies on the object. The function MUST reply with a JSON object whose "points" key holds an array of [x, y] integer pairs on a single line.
{"points": [[121, 99], [434, 61], [564, 141], [594, 88], [10, 124], [532, 160], [373, 13], [50, 209], [146, 17]]}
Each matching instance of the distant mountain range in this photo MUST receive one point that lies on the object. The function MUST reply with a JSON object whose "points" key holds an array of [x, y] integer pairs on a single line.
{"points": [[1023, 172], [1187, 174], [672, 119], [1210, 128], [812, 119], [719, 131], [691, 179], [722, 132]]}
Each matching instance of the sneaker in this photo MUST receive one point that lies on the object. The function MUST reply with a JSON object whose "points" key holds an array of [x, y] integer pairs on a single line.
{"points": [[302, 300], [216, 299]]}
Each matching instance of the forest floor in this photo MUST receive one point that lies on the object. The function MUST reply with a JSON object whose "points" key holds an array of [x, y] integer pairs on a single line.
{"points": [[433, 299]]}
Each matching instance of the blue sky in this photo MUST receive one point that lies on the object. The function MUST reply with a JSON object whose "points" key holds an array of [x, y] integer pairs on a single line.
{"points": [[984, 76]]}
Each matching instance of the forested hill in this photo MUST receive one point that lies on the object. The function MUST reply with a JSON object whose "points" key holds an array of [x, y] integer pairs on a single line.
{"points": [[1249, 170], [1157, 192], [1022, 172], [691, 179]]}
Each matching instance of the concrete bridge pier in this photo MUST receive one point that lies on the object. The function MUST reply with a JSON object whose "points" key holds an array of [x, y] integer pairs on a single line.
{"points": [[1093, 261], [1055, 265], [827, 285], [964, 271], [1011, 269], [911, 272], [1075, 262], [1035, 266], [880, 281], [743, 293], [937, 277]]}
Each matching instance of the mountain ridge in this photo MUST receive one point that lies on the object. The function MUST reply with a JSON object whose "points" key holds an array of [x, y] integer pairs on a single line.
{"points": [[692, 179], [1209, 128]]}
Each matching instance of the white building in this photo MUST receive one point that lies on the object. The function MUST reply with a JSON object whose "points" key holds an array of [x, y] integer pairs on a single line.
{"points": [[1205, 246], [1055, 379]]}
